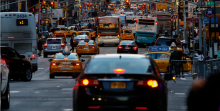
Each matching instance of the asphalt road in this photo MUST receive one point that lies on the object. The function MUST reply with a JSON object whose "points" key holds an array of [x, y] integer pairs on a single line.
{"points": [[44, 94]]}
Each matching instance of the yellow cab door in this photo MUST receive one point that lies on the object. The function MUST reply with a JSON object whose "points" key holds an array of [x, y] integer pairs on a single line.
{"points": [[67, 31], [162, 61]]}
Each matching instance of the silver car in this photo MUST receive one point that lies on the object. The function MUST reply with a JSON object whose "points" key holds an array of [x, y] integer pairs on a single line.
{"points": [[53, 46], [5, 89]]}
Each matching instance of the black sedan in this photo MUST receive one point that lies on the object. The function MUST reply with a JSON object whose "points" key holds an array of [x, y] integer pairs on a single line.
{"points": [[120, 82], [126, 46]]}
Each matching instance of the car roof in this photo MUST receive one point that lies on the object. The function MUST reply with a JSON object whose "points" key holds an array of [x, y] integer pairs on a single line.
{"points": [[166, 37], [119, 56]]}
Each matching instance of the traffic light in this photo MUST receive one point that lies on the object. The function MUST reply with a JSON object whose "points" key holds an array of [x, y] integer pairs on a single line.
{"points": [[181, 4], [90, 4], [20, 5], [87, 4], [44, 2], [55, 5], [33, 9], [51, 3]]}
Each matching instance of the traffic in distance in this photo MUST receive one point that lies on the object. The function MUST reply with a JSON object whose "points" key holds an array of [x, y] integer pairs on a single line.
{"points": [[124, 59]]}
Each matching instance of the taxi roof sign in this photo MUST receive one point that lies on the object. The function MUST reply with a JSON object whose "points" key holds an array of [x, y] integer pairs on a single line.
{"points": [[159, 49]]}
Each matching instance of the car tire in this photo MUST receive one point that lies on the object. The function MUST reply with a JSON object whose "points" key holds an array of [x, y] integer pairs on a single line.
{"points": [[51, 76], [5, 98], [27, 75], [45, 55]]}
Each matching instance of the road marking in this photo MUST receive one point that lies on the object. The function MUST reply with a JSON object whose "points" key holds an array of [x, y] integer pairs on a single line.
{"points": [[37, 92], [183, 78], [67, 109], [180, 93], [40, 68], [58, 86], [70, 89], [14, 91]]}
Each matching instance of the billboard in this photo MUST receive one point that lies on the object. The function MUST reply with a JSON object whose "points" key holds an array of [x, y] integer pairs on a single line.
{"points": [[108, 22]]}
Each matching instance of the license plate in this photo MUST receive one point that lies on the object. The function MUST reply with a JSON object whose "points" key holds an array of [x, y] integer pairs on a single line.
{"points": [[117, 85], [65, 68], [54, 47], [85, 47], [127, 48]]}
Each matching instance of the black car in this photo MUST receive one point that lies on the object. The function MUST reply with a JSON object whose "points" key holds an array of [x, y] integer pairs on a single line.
{"points": [[120, 81], [19, 67], [164, 41], [126, 46]]}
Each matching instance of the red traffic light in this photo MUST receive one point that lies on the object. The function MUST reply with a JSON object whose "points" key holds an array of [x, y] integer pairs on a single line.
{"points": [[33, 9], [51, 3]]}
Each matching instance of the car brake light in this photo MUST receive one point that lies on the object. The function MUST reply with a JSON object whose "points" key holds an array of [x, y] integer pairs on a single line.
{"points": [[120, 47], [54, 63], [62, 45], [33, 55], [135, 48], [78, 47], [86, 82], [45, 45], [93, 107], [119, 71], [26, 58], [141, 107], [65, 59], [127, 44], [76, 63], [151, 83], [98, 36]]}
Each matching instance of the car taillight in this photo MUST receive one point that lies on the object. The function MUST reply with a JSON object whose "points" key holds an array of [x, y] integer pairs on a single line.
{"points": [[4, 63], [151, 83], [135, 48], [54, 64], [78, 47], [120, 47], [45, 45], [62, 45], [86, 82], [118, 35], [74, 41], [141, 107], [92, 47], [98, 36], [76, 63]]}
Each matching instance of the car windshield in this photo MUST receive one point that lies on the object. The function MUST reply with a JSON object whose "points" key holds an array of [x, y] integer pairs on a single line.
{"points": [[80, 37], [127, 42], [89, 43], [60, 56], [165, 42], [54, 41], [110, 66]]}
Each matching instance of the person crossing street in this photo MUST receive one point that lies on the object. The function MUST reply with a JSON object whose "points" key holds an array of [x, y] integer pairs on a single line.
{"points": [[72, 43]]}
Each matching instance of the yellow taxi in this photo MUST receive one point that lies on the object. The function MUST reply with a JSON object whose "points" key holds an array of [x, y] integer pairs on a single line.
{"points": [[68, 32], [60, 34], [161, 55], [92, 33], [127, 34], [65, 64], [84, 33], [87, 47], [112, 6], [84, 26]]}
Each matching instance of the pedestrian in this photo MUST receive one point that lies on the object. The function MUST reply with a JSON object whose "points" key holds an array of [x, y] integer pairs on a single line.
{"points": [[89, 26], [72, 43], [186, 50], [180, 62], [40, 46], [200, 56], [218, 57], [178, 42], [172, 61]]}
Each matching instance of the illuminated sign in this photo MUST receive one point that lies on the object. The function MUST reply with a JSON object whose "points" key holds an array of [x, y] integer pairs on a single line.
{"points": [[22, 22], [158, 48]]}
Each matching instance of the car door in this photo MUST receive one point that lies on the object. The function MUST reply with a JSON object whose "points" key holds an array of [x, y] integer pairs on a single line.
{"points": [[21, 62], [13, 60], [162, 60], [67, 31]]}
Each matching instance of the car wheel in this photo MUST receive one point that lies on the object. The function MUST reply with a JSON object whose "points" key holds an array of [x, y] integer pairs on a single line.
{"points": [[5, 98], [51, 76], [45, 55], [27, 75]]}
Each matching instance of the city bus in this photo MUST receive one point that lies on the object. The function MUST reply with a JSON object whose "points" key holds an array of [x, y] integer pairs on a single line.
{"points": [[18, 30], [108, 30], [164, 23], [146, 30]]}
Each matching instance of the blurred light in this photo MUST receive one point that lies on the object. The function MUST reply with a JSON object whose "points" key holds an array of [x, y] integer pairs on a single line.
{"points": [[99, 99], [152, 83], [85, 82]]}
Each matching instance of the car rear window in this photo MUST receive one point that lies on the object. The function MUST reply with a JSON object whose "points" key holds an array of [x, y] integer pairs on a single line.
{"points": [[163, 56], [70, 57], [54, 41], [80, 37], [128, 31], [153, 55], [165, 42], [84, 33], [89, 43], [127, 66], [127, 42]]}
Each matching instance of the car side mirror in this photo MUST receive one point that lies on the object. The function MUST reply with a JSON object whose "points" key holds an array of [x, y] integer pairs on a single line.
{"points": [[50, 60], [22, 56], [168, 77], [82, 60]]}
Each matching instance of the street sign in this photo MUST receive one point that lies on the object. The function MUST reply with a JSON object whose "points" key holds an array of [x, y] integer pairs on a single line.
{"points": [[65, 8], [209, 12], [206, 20], [209, 3]]}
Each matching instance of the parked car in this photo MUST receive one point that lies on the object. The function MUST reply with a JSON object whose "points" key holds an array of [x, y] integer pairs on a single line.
{"points": [[19, 67], [5, 89]]}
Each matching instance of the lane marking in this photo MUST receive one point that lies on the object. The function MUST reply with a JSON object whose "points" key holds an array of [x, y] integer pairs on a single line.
{"points": [[37, 92], [180, 93], [40, 68], [67, 109], [67, 89], [14, 91], [183, 78], [58, 86]]}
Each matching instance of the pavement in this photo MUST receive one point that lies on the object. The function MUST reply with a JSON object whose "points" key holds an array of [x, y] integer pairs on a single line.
{"points": [[45, 94]]}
